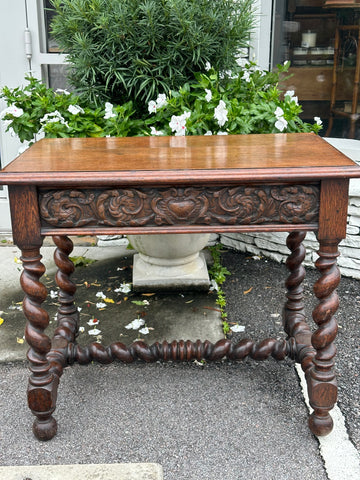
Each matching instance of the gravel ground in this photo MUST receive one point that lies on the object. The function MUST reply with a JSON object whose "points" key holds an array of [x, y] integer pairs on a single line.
{"points": [[227, 421], [220, 421], [264, 302]]}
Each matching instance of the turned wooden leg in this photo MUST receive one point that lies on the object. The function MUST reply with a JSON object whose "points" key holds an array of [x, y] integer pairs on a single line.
{"points": [[68, 316], [321, 379], [43, 383], [294, 319]]}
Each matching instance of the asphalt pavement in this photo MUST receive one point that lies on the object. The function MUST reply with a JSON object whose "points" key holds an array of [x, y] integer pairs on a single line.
{"points": [[225, 421]]}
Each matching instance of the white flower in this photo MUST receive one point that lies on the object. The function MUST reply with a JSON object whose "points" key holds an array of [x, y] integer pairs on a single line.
{"points": [[93, 321], [281, 124], [81, 329], [135, 324], [221, 113], [53, 294], [279, 112], [208, 96], [242, 62], [144, 331], [53, 117], [109, 111], [291, 94], [60, 90], [247, 75], [207, 66], [208, 133], [318, 121], [178, 124], [156, 132], [12, 110], [75, 109], [101, 305], [94, 331], [152, 106], [124, 288], [100, 295], [237, 328], [222, 133], [161, 100]]}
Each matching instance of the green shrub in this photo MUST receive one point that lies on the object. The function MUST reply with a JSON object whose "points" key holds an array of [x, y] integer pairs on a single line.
{"points": [[122, 50]]}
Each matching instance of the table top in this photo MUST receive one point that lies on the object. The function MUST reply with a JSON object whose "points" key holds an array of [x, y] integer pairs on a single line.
{"points": [[210, 159]]}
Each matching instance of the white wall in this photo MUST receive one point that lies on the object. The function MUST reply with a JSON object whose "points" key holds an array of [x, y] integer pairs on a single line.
{"points": [[13, 65]]}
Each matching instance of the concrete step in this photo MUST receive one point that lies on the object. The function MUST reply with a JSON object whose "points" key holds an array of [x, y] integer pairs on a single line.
{"points": [[116, 471]]}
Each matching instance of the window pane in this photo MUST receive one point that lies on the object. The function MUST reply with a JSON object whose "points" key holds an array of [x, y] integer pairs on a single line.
{"points": [[50, 42], [56, 76]]}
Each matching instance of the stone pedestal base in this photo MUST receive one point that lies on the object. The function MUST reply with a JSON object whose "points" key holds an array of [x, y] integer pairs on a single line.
{"points": [[187, 276]]}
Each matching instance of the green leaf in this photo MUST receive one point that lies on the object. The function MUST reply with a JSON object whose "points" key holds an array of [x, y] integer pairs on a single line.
{"points": [[81, 261]]}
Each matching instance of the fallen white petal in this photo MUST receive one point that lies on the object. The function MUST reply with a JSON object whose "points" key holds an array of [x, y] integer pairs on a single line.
{"points": [[135, 324], [144, 331], [214, 285], [94, 331], [124, 288], [237, 328], [93, 321]]}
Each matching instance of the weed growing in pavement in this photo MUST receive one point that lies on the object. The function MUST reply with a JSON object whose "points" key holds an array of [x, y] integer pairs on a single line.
{"points": [[218, 275]]}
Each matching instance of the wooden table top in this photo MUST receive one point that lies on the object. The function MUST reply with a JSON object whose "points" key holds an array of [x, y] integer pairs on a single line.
{"points": [[145, 160]]}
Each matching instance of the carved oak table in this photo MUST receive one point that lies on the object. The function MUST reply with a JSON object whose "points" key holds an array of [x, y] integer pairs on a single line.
{"points": [[282, 182]]}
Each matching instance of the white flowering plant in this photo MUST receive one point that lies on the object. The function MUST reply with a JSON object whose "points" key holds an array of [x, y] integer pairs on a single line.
{"points": [[35, 111], [249, 101]]}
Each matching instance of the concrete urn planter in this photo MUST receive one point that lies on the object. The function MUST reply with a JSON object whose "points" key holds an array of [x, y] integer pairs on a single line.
{"points": [[170, 262]]}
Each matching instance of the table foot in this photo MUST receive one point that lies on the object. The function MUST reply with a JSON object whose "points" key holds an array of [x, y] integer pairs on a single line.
{"points": [[45, 429], [320, 425]]}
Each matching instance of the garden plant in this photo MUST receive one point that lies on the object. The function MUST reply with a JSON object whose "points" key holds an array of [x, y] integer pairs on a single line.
{"points": [[249, 101], [135, 49]]}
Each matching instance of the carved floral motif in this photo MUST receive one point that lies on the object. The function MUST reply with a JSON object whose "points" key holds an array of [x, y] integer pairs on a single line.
{"points": [[135, 207]]}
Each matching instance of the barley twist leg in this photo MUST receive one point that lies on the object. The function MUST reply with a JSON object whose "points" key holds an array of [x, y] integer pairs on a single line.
{"points": [[321, 377], [295, 324], [42, 389], [68, 316]]}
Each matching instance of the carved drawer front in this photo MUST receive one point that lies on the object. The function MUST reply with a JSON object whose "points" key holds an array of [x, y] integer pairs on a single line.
{"points": [[137, 207]]}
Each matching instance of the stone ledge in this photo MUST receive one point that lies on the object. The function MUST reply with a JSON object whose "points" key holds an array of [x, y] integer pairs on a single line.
{"points": [[116, 471]]}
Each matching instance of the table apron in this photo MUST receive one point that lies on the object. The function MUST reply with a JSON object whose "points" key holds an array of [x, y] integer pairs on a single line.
{"points": [[177, 209]]}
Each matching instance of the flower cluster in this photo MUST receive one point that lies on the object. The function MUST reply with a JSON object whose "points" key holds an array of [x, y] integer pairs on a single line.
{"points": [[178, 124], [160, 102]]}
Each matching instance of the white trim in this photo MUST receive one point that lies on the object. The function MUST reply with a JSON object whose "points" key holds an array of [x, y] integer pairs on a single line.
{"points": [[261, 37], [341, 459]]}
